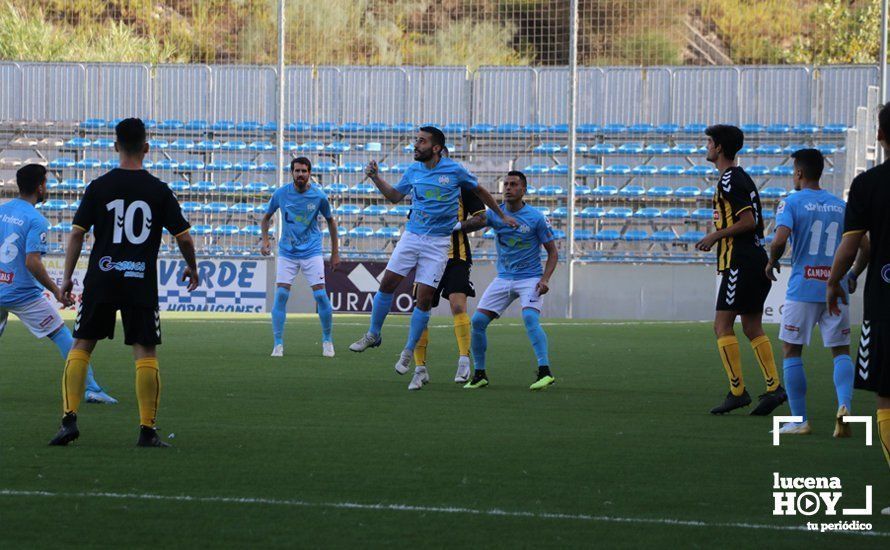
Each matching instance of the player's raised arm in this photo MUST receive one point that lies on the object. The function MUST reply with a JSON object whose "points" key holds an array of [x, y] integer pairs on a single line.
{"points": [[392, 194], [475, 223], [486, 197]]}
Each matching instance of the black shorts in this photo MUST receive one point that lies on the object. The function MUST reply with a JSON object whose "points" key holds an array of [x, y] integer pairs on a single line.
{"points": [[873, 360], [142, 325], [743, 290], [456, 279]]}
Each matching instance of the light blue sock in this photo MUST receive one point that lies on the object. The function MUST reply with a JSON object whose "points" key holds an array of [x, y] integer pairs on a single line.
{"points": [[279, 314], [532, 320], [64, 341], [479, 340], [843, 380], [419, 320], [379, 311], [796, 386], [325, 313]]}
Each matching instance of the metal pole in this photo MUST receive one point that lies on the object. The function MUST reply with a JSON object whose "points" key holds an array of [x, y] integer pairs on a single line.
{"points": [[279, 131], [879, 152], [573, 114]]}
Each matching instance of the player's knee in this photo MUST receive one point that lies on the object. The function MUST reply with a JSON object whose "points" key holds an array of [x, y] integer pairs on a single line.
{"points": [[480, 321], [458, 308], [752, 331], [531, 318], [791, 350]]}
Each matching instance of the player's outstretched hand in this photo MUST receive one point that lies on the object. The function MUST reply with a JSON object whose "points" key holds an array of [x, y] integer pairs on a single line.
{"points": [[266, 248], [511, 221], [372, 169], [770, 274], [335, 261], [193, 278], [543, 287], [833, 293]]}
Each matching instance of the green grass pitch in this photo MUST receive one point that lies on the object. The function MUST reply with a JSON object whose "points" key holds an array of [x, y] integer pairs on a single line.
{"points": [[306, 451]]}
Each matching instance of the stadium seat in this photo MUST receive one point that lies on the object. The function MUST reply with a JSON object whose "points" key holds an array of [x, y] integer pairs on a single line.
{"points": [[347, 210], [657, 149], [388, 232], [337, 147], [702, 214], [617, 170], [63, 227], [542, 209], [93, 124], [233, 145], [102, 143], [88, 163], [757, 170], [508, 129], [324, 127], [179, 186], [298, 126], [350, 127], [587, 129], [685, 149], [834, 129], [230, 187], [203, 187], [695, 128], [111, 164], [632, 191], [72, 207], [352, 167], [260, 146], [633, 148], [226, 230], [584, 235], [191, 207], [667, 129], [687, 192], [582, 190], [201, 229], [375, 210], [60, 162], [647, 213], [536, 169], [561, 213], [72, 184], [619, 212], [182, 145], [454, 128], [607, 235], [371, 147], [312, 147], [336, 188], [746, 150], [590, 170], [778, 129], [481, 129], [403, 128], [218, 166], [773, 192], [552, 191], [827, 148], [660, 191], [159, 144], [559, 169], [803, 129], [324, 167], [601, 149], [663, 236], [243, 208], [768, 149], [559, 129], [641, 128], [53, 205], [547, 149], [399, 211], [580, 148], [559, 234], [752, 128], [361, 232], [644, 170], [636, 235], [216, 207], [614, 129], [605, 191], [701, 170], [709, 191], [191, 165], [672, 170], [198, 125], [675, 214], [691, 237], [782, 170], [376, 128], [534, 129], [789, 149], [531, 190], [253, 230], [363, 189], [592, 212], [170, 125], [214, 250]]}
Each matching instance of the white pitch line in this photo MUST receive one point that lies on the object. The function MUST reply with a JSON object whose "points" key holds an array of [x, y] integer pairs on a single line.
{"points": [[496, 324], [427, 509]]}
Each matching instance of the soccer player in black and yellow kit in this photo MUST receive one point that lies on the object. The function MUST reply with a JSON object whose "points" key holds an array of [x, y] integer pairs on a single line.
{"points": [[741, 261], [456, 286], [868, 211], [127, 209]]}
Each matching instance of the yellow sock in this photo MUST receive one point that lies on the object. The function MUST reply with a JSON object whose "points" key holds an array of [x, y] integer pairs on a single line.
{"points": [[884, 432], [148, 390], [732, 362], [74, 379], [462, 333], [763, 350], [420, 348]]}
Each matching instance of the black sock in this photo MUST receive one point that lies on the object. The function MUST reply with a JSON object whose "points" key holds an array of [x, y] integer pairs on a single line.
{"points": [[543, 371], [480, 374]]}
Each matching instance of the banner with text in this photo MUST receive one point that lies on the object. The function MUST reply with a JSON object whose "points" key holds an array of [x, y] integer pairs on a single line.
{"points": [[352, 287]]}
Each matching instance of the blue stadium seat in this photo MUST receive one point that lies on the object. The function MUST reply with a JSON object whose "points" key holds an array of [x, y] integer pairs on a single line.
{"points": [[375, 210], [660, 191], [72, 184], [208, 145], [702, 214], [633, 148], [347, 210], [636, 235], [542, 209], [559, 129], [778, 129], [352, 167], [218, 166], [179, 186], [536, 169], [298, 126], [607, 235], [805, 129], [605, 191], [53, 205], [782, 170], [240, 250], [216, 207], [672, 170], [230, 187], [827, 148], [388, 232], [641, 128], [363, 189], [74, 206], [559, 234], [531, 190], [201, 229], [336, 188], [614, 129], [647, 213], [324, 127], [244, 208], [170, 125], [191, 207], [312, 146], [752, 128], [746, 150], [51, 183], [291, 146], [768, 149], [773, 192], [582, 190], [590, 170], [198, 125], [619, 212], [160, 144], [182, 145], [403, 128], [88, 163], [102, 143], [694, 128], [675, 214], [454, 128], [111, 164], [399, 211], [479, 129], [663, 236], [701, 170], [203, 187], [376, 128], [324, 167], [337, 147], [534, 129], [233, 145], [834, 129], [253, 230], [584, 235], [601, 149], [191, 165], [552, 191], [685, 149], [508, 129], [214, 250], [580, 148], [592, 212], [227, 230], [93, 124], [691, 237], [361, 232], [644, 170], [111, 124], [350, 127], [587, 129], [617, 170], [559, 169], [260, 146], [687, 192], [547, 149], [667, 129], [657, 149], [561, 213], [632, 191], [270, 166], [789, 149], [371, 147], [64, 227]]}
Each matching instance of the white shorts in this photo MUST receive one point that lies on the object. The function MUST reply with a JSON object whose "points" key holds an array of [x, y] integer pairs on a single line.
{"points": [[799, 318], [427, 253], [312, 268], [40, 316], [501, 293]]}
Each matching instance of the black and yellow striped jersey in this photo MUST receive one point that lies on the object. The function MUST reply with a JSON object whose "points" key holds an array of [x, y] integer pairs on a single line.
{"points": [[735, 193], [468, 206]]}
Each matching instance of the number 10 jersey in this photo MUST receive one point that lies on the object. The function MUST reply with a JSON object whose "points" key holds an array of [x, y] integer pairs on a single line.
{"points": [[127, 211]]}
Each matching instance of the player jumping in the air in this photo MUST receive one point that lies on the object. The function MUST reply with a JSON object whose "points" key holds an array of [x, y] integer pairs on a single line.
{"points": [[434, 183], [23, 276], [520, 275], [868, 204], [741, 261], [300, 249], [812, 219], [127, 208]]}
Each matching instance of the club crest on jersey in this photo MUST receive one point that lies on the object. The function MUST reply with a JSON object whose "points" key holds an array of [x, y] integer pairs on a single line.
{"points": [[780, 208], [885, 273], [524, 229], [444, 180]]}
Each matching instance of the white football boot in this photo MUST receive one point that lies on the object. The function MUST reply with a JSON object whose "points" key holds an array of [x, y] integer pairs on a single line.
{"points": [[420, 379], [327, 349], [278, 351], [404, 361], [463, 370]]}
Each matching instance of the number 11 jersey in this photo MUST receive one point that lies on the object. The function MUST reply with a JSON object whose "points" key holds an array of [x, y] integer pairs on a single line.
{"points": [[127, 210]]}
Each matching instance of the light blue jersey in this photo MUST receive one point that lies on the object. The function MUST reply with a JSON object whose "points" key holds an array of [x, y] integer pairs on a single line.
{"points": [[816, 221], [519, 249], [435, 195], [22, 231], [300, 235]]}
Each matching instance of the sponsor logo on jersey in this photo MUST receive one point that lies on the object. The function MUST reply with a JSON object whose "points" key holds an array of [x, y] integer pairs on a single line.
{"points": [[130, 269], [12, 219], [6, 277], [818, 272], [813, 207]]}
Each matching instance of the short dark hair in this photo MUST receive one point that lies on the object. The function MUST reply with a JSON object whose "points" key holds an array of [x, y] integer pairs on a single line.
{"points": [[29, 177], [437, 135], [130, 133], [519, 175], [730, 138], [884, 120], [301, 160], [811, 163]]}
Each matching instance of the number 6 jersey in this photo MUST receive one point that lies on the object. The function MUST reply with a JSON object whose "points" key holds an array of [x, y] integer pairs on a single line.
{"points": [[127, 210]]}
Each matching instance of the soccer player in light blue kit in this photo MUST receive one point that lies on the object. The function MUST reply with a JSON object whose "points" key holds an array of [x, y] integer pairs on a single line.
{"points": [[23, 276], [520, 275], [300, 249], [434, 182], [812, 219]]}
